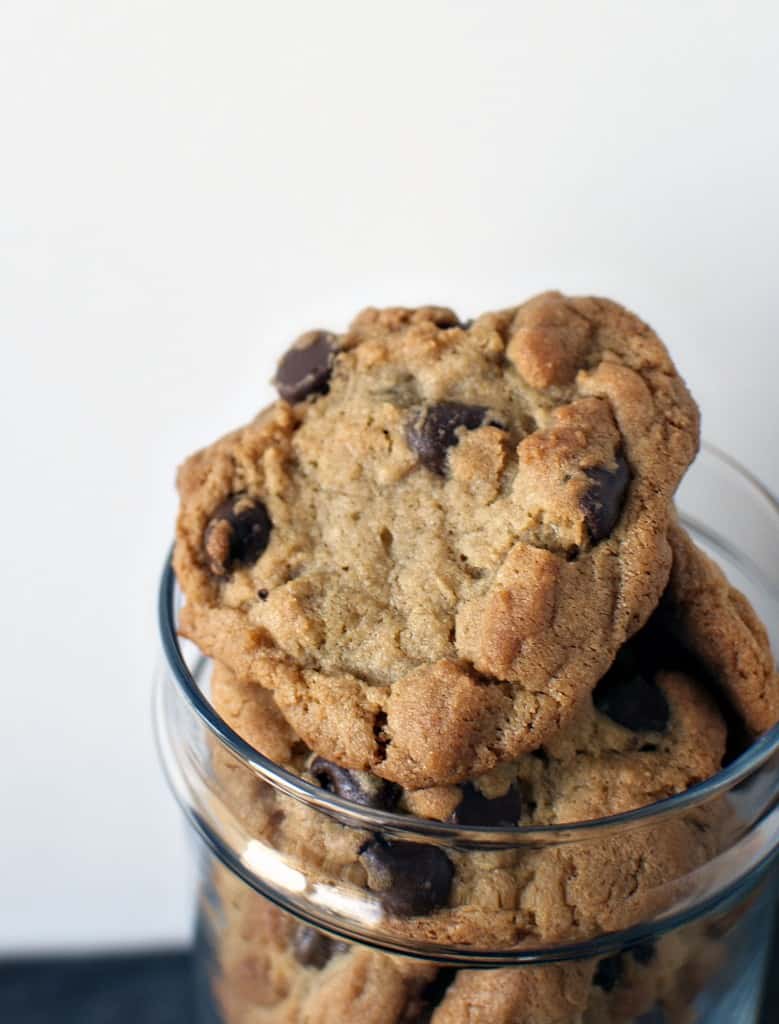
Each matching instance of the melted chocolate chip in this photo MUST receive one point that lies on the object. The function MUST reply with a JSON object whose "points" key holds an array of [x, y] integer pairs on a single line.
{"points": [[359, 787], [477, 809], [433, 431], [608, 972], [237, 534], [411, 879], [602, 501], [627, 697], [305, 370], [313, 948]]}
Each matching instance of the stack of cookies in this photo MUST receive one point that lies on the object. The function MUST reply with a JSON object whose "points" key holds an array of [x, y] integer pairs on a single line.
{"points": [[443, 576]]}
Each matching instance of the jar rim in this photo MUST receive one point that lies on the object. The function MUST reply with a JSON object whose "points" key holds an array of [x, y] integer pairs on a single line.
{"points": [[760, 751]]}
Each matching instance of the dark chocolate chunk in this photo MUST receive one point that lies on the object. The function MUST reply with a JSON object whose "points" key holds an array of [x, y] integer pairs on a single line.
{"points": [[446, 319], [627, 697], [433, 431], [643, 952], [602, 501], [313, 948], [359, 787], [237, 534], [608, 972], [477, 809], [411, 879], [424, 1003], [305, 370]]}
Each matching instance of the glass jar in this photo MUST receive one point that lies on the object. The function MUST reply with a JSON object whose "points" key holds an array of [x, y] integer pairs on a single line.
{"points": [[661, 914]]}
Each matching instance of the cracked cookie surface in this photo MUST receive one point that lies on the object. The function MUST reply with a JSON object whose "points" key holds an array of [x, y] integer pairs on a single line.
{"points": [[434, 552]]}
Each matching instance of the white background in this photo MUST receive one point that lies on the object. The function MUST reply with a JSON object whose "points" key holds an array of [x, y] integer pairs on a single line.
{"points": [[185, 186]]}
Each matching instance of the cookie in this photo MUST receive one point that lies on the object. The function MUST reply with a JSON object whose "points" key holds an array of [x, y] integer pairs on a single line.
{"points": [[653, 982], [434, 544], [646, 733], [271, 968], [716, 623]]}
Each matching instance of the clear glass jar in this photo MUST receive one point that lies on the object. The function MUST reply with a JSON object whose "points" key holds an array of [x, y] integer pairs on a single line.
{"points": [[665, 912]]}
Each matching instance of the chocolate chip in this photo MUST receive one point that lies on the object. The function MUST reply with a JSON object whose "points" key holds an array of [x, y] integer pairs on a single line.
{"points": [[305, 370], [262, 594], [434, 991], [411, 879], [627, 697], [380, 735], [422, 1006], [477, 809], [602, 501], [608, 973], [433, 430], [359, 787], [643, 952], [313, 948], [446, 319], [237, 534]]}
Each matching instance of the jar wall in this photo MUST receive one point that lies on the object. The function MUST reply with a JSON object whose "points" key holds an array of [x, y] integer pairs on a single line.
{"points": [[257, 964]]}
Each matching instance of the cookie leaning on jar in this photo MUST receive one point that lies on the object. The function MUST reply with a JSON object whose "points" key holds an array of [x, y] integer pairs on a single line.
{"points": [[432, 547]]}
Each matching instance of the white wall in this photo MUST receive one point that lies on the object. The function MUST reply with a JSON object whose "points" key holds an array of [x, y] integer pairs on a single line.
{"points": [[184, 186]]}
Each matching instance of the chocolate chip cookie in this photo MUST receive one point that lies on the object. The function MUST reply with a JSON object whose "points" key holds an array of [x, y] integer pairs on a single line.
{"points": [[433, 545], [273, 969]]}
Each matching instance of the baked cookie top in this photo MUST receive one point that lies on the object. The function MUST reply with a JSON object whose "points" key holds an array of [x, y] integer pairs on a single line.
{"points": [[433, 545]]}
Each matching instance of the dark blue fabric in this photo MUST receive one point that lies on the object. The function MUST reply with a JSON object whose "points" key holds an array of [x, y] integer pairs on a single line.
{"points": [[153, 988]]}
